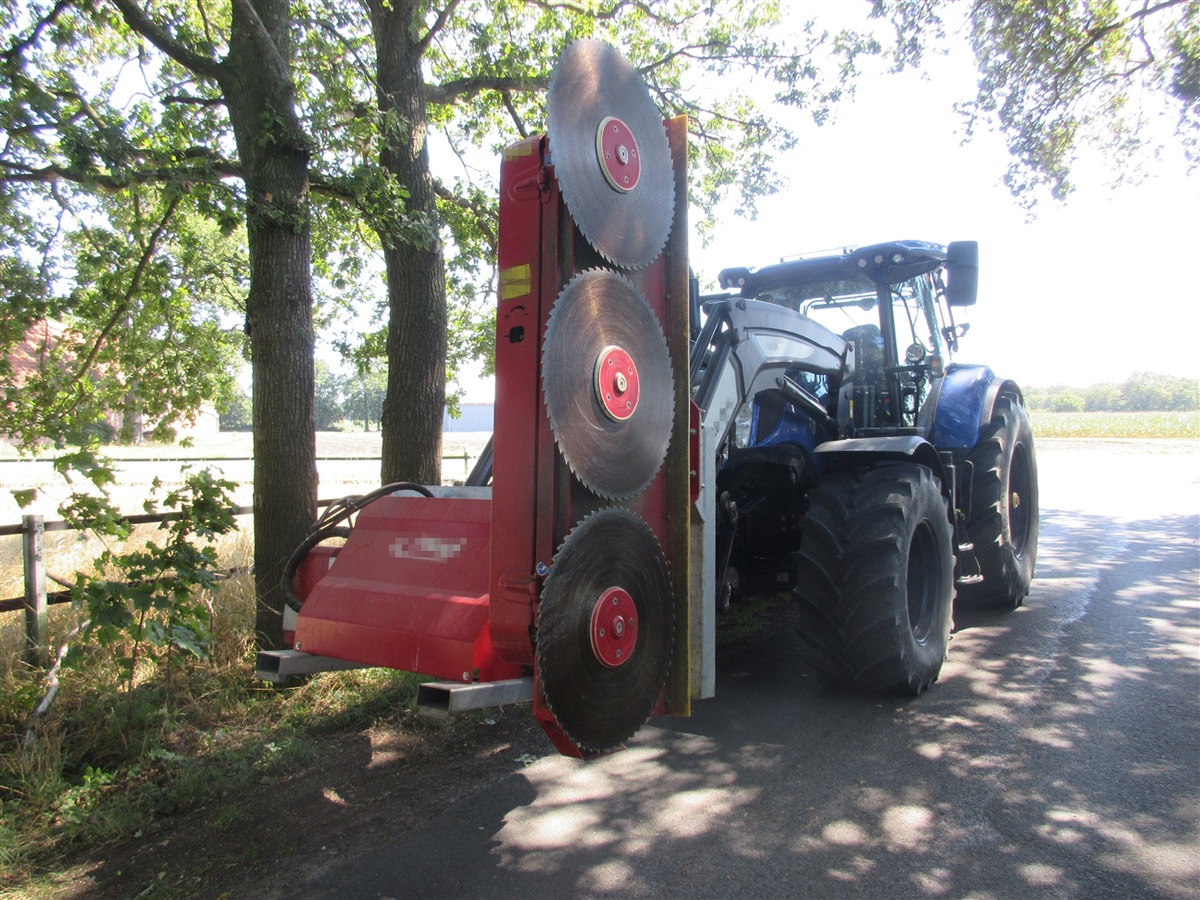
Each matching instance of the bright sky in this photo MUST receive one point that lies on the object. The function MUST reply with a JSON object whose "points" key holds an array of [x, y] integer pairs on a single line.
{"points": [[1089, 291]]}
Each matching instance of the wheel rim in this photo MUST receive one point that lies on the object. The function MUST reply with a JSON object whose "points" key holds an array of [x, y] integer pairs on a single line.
{"points": [[922, 583], [1020, 499]]}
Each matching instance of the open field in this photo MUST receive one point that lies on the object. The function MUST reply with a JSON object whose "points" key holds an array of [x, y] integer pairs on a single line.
{"points": [[348, 463], [1176, 425]]}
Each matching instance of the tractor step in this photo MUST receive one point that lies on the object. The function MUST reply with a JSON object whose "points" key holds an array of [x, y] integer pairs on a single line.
{"points": [[968, 565], [277, 666], [441, 699]]}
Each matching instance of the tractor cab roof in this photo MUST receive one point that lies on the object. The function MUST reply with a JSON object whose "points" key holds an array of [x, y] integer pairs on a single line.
{"points": [[854, 271]]}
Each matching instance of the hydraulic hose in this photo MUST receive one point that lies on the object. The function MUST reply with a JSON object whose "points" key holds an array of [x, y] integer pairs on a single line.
{"points": [[328, 526]]}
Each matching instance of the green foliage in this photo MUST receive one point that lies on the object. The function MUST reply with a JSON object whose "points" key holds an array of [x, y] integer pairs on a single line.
{"points": [[77, 803], [1055, 75], [487, 67], [1147, 391], [330, 388], [152, 607], [237, 415], [116, 228], [1066, 401], [365, 391], [1141, 392], [492, 63]]}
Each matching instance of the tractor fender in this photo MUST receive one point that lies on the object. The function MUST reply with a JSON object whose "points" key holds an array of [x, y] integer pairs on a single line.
{"points": [[907, 447], [962, 404]]}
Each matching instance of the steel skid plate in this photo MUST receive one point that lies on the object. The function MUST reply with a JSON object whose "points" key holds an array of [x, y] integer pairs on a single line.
{"points": [[610, 154], [605, 629], [606, 375]]}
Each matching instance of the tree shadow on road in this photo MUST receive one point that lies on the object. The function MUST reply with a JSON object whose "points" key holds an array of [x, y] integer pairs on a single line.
{"points": [[1039, 765]]}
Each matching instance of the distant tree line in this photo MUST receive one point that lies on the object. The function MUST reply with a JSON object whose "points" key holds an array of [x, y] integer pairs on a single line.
{"points": [[341, 402], [1141, 392], [356, 401]]}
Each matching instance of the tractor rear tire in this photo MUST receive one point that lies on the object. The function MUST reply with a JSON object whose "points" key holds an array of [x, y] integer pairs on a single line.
{"points": [[876, 578], [1003, 522]]}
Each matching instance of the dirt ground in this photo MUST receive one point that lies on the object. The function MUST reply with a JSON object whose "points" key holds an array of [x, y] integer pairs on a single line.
{"points": [[363, 788]]}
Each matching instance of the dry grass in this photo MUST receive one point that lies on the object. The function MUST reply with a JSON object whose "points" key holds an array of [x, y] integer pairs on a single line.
{"points": [[91, 775]]}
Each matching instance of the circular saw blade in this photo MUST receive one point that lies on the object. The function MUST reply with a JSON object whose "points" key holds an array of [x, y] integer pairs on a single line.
{"points": [[606, 376], [610, 154], [608, 576]]}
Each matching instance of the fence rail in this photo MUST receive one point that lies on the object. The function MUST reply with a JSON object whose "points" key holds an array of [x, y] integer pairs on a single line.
{"points": [[32, 530]]}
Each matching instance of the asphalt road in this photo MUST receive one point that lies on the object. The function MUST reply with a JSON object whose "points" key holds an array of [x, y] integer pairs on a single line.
{"points": [[1058, 756]]}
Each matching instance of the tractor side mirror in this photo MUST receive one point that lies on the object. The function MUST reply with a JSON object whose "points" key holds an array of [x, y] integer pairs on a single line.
{"points": [[962, 273]]}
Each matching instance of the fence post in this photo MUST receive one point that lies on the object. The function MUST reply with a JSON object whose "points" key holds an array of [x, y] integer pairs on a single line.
{"points": [[33, 546]]}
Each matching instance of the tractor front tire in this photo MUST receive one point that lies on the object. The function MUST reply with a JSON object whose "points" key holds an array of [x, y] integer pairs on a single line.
{"points": [[1003, 522], [876, 578]]}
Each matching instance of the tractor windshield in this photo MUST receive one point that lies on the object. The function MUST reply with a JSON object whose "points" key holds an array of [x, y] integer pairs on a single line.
{"points": [[918, 317], [850, 307]]}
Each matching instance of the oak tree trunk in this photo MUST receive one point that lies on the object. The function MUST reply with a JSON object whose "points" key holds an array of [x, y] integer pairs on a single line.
{"points": [[274, 153], [416, 339]]}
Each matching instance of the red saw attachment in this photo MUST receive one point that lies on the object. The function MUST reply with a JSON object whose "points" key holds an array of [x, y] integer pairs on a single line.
{"points": [[591, 487], [566, 576]]}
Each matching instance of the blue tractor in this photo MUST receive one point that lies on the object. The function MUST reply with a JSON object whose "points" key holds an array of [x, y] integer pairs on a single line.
{"points": [[855, 465]]}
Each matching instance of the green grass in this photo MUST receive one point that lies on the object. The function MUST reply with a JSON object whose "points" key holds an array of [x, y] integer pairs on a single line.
{"points": [[1135, 425], [90, 776]]}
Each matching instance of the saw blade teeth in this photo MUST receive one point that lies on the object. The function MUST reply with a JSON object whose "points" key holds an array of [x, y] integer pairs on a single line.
{"points": [[614, 442], [621, 194], [600, 699]]}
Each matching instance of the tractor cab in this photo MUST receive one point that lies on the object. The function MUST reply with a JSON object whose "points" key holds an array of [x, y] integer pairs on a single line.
{"points": [[893, 304]]}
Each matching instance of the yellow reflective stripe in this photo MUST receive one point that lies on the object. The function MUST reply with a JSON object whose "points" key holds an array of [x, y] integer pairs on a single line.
{"points": [[515, 282]]}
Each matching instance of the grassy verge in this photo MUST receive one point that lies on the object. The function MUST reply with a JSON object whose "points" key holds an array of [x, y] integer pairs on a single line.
{"points": [[91, 772], [1143, 425]]}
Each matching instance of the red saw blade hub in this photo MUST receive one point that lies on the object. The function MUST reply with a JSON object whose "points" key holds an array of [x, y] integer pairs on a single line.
{"points": [[617, 150], [617, 385], [614, 627]]}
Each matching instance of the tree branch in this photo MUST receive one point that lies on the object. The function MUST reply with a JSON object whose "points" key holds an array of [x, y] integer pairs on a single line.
{"points": [[216, 169], [188, 100], [512, 114], [318, 183], [466, 88], [137, 19], [483, 217], [443, 17], [612, 12], [332, 29], [1096, 35], [19, 47], [134, 283]]}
